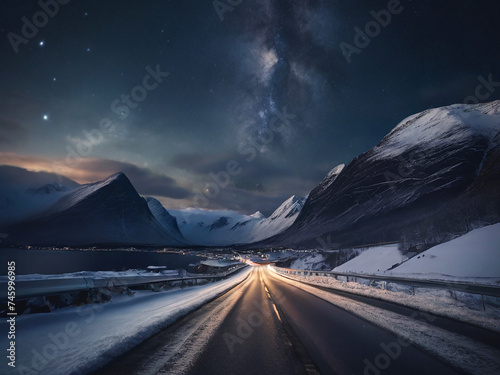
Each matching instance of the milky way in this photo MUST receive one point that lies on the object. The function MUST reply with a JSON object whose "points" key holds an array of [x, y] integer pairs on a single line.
{"points": [[278, 33], [229, 80]]}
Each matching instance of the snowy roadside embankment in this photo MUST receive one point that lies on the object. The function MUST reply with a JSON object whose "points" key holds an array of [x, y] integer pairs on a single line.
{"points": [[81, 339], [473, 257], [470, 356], [95, 275], [461, 306]]}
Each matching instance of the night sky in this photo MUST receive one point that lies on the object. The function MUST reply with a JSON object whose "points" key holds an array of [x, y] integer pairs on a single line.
{"points": [[258, 93]]}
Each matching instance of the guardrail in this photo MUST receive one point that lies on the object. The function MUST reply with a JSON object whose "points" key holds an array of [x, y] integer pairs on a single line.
{"points": [[459, 286], [49, 287]]}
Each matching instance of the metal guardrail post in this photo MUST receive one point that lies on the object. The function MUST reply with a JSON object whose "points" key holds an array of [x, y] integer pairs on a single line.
{"points": [[456, 286], [49, 287]]}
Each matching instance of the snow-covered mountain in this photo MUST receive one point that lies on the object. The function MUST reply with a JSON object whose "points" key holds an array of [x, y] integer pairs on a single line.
{"points": [[168, 221], [224, 228], [105, 212], [434, 176], [24, 193]]}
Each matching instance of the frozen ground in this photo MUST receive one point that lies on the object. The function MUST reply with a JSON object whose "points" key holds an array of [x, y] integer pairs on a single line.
{"points": [[462, 352], [80, 339]]}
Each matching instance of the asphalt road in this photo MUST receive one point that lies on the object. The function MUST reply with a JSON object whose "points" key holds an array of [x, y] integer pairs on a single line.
{"points": [[267, 326], [251, 339], [341, 343]]}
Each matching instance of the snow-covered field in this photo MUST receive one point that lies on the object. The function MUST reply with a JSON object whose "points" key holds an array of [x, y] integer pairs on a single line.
{"points": [[473, 257], [80, 339], [475, 254]]}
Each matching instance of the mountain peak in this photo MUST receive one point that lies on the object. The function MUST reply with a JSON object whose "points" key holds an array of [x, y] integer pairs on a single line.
{"points": [[331, 176], [119, 176], [258, 215], [441, 162], [335, 171], [453, 124]]}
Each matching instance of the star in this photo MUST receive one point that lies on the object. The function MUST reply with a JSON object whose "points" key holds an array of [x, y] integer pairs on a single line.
{"points": [[42, 43], [88, 49], [54, 79], [45, 117]]}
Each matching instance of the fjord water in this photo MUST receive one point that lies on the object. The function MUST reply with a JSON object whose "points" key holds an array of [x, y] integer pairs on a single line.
{"points": [[64, 261]]}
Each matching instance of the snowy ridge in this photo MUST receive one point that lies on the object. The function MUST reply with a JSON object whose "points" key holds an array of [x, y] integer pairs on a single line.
{"points": [[168, 221], [105, 212], [330, 177], [440, 126], [224, 228], [24, 193], [86, 190]]}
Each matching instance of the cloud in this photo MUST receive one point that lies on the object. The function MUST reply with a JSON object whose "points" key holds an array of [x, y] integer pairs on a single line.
{"points": [[258, 169], [144, 180], [244, 201], [11, 132], [261, 185]]}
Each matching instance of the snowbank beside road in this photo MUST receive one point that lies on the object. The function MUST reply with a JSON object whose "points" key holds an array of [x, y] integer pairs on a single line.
{"points": [[456, 305], [464, 353], [82, 339]]}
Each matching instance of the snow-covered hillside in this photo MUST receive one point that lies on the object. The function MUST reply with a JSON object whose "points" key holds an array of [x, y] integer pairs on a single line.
{"points": [[373, 260], [223, 228], [473, 255], [438, 127], [312, 261], [23, 193], [437, 166]]}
